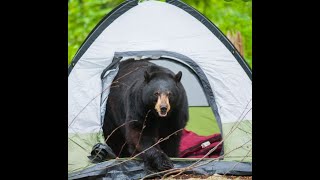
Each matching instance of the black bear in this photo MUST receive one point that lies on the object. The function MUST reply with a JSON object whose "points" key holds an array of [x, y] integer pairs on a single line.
{"points": [[152, 103]]}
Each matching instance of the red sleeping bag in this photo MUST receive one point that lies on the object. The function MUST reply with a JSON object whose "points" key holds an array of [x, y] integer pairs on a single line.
{"points": [[196, 146]]}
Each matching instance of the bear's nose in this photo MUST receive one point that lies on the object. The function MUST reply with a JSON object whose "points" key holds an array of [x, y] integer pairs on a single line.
{"points": [[163, 109]]}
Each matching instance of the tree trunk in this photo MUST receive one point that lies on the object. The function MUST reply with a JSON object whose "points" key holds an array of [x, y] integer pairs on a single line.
{"points": [[236, 40]]}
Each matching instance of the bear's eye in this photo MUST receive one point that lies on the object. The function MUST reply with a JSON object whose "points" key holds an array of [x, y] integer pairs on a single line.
{"points": [[156, 94]]}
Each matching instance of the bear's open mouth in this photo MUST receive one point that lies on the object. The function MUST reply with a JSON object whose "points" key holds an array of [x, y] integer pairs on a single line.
{"points": [[162, 114]]}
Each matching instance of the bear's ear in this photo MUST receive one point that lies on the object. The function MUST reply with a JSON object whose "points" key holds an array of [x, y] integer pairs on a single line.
{"points": [[178, 76], [146, 76]]}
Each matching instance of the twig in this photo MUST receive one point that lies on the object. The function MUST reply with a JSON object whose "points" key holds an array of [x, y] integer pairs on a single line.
{"points": [[160, 172], [143, 126], [239, 161], [234, 127], [226, 137], [181, 170], [198, 165], [116, 80], [244, 130], [117, 129], [77, 144], [129, 72], [213, 159], [213, 149], [122, 148], [110, 136], [159, 141]]}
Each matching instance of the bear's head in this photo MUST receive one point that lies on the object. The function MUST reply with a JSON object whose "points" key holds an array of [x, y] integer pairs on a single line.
{"points": [[162, 91]]}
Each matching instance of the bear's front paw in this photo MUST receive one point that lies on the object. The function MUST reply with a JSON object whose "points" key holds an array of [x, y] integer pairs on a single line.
{"points": [[164, 163], [160, 162]]}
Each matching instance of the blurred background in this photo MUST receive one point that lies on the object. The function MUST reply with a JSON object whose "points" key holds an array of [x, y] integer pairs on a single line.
{"points": [[232, 17]]}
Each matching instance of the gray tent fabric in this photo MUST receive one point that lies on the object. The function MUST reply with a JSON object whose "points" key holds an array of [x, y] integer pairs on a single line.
{"points": [[107, 79]]}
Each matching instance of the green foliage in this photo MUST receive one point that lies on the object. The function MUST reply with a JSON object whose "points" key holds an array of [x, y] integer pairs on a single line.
{"points": [[227, 15], [83, 16]]}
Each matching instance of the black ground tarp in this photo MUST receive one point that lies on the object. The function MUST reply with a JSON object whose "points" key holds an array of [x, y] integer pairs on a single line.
{"points": [[134, 169]]}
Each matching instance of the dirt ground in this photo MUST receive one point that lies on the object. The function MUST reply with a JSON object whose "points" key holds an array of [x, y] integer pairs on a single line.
{"points": [[213, 177]]}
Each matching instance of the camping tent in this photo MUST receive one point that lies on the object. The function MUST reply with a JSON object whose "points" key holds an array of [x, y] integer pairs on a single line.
{"points": [[174, 35]]}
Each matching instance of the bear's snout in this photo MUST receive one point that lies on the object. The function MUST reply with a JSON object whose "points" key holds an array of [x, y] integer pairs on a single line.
{"points": [[162, 106], [163, 109]]}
